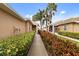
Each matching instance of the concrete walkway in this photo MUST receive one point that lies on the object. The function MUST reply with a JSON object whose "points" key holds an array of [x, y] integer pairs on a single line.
{"points": [[76, 40], [37, 48]]}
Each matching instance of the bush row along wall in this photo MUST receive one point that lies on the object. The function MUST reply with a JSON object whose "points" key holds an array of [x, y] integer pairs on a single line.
{"points": [[16, 45]]}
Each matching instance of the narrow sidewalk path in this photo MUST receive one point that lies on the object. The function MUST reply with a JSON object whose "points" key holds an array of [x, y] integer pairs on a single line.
{"points": [[76, 40], [37, 48]]}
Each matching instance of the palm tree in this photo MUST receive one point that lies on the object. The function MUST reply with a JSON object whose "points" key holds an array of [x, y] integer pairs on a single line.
{"points": [[38, 17], [46, 15], [51, 9]]}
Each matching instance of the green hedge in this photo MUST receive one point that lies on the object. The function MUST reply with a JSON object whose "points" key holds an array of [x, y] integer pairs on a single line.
{"points": [[16, 45], [70, 34], [58, 46]]}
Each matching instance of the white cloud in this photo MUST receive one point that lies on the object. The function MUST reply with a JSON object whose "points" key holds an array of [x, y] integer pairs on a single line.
{"points": [[62, 12], [28, 16]]}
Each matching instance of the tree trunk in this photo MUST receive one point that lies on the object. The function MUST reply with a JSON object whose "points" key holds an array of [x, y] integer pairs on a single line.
{"points": [[46, 25], [53, 28], [41, 24]]}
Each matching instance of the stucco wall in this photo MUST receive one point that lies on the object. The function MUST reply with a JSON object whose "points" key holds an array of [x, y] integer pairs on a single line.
{"points": [[61, 28], [69, 27], [76, 27], [9, 25], [28, 26]]}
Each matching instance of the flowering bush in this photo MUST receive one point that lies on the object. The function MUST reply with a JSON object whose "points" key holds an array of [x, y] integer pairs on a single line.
{"points": [[16, 45], [70, 34], [57, 46]]}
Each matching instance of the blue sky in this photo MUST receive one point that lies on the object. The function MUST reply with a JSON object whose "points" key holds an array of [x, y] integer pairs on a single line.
{"points": [[64, 10]]}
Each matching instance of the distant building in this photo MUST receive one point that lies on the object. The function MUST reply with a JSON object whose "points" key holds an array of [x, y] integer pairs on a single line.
{"points": [[30, 26], [70, 25]]}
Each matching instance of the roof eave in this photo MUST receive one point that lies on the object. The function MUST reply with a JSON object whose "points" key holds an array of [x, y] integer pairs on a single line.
{"points": [[9, 10]]}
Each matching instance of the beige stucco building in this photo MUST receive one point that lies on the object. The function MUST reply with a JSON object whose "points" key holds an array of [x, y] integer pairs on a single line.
{"points": [[30, 26], [12, 23], [70, 25]]}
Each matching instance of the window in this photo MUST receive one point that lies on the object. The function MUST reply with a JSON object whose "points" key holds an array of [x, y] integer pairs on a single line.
{"points": [[65, 27], [16, 30]]}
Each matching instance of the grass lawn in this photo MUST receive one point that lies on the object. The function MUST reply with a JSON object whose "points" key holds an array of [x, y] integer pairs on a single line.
{"points": [[70, 34]]}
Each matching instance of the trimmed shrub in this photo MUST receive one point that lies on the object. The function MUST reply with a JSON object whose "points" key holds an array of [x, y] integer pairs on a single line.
{"points": [[57, 46], [16, 45]]}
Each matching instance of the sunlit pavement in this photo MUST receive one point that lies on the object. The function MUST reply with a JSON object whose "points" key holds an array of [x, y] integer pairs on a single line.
{"points": [[37, 48]]}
